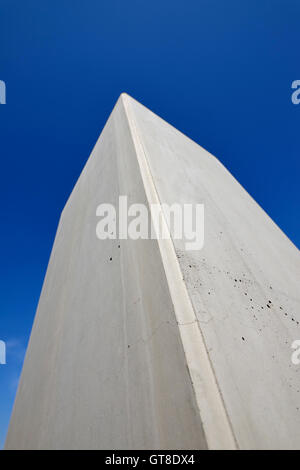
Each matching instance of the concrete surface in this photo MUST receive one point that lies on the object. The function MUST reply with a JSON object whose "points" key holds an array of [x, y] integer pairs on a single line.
{"points": [[142, 344]]}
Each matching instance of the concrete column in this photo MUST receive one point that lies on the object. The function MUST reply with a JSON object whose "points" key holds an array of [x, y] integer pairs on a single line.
{"points": [[145, 344]]}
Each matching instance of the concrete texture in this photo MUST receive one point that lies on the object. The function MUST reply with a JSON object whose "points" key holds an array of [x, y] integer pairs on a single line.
{"points": [[142, 344]]}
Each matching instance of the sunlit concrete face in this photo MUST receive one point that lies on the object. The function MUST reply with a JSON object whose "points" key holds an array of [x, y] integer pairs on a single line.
{"points": [[143, 344]]}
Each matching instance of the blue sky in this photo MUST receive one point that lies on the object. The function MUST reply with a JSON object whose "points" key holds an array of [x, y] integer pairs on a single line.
{"points": [[220, 71]]}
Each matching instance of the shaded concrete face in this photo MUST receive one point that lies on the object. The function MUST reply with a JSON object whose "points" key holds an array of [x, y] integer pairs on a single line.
{"points": [[105, 367], [142, 344]]}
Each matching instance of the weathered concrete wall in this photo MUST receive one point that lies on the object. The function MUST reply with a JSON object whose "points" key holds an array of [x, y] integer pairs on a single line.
{"points": [[160, 347]]}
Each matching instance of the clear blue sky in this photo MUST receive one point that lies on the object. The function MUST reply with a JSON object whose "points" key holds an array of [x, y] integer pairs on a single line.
{"points": [[220, 71]]}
